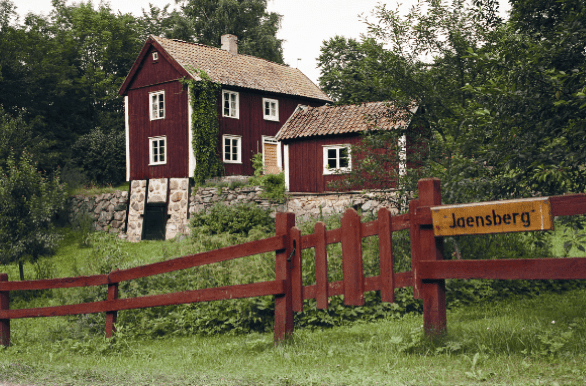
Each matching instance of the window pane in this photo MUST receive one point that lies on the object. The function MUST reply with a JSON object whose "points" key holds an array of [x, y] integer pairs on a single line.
{"points": [[154, 107], [162, 150], [344, 157]]}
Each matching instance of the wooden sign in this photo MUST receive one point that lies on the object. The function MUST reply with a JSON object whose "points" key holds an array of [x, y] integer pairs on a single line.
{"points": [[531, 214]]}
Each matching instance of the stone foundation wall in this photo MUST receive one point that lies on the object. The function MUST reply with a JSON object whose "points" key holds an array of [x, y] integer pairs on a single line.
{"points": [[205, 198], [311, 205], [105, 212]]}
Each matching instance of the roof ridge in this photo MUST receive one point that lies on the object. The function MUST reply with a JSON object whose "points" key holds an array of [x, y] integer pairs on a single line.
{"points": [[219, 48]]}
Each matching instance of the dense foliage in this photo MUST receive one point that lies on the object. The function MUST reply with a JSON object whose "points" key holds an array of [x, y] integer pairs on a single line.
{"points": [[60, 73], [504, 100], [28, 203], [203, 95]]}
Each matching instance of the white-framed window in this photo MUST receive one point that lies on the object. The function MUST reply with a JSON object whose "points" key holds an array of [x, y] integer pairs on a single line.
{"points": [[337, 159], [157, 150], [157, 105], [230, 104], [232, 149], [155, 56], [270, 109]]}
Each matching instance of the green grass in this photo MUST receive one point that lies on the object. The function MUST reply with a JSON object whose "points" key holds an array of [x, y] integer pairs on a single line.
{"points": [[92, 190], [513, 341], [510, 342]]}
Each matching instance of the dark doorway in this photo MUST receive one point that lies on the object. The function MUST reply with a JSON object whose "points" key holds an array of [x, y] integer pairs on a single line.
{"points": [[154, 221]]}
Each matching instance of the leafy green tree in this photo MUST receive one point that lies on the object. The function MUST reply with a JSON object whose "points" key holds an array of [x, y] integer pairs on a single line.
{"points": [[28, 202], [160, 22], [248, 19], [102, 156]]}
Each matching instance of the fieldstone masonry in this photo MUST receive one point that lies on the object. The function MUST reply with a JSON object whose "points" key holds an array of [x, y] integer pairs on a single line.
{"points": [[104, 212], [177, 208], [136, 210], [157, 190], [311, 205], [107, 212]]}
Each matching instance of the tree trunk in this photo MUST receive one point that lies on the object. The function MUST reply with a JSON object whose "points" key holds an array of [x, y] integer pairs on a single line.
{"points": [[21, 270]]}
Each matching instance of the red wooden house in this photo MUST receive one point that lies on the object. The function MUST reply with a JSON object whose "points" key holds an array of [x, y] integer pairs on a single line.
{"points": [[317, 140], [256, 99]]}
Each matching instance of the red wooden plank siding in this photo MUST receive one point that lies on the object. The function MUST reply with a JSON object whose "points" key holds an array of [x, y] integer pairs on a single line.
{"points": [[306, 162], [66, 282], [4, 305], [321, 266], [513, 269], [385, 247], [227, 253], [284, 303], [204, 295], [173, 126], [433, 292], [297, 271], [251, 124], [352, 259]]}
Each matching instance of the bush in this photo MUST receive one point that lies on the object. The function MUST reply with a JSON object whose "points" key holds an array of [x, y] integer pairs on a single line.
{"points": [[102, 156], [240, 219]]}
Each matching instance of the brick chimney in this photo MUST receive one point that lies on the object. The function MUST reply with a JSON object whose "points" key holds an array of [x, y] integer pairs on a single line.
{"points": [[230, 43]]}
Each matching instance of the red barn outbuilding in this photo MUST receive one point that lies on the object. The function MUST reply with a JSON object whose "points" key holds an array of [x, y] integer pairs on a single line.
{"points": [[318, 140], [256, 98]]}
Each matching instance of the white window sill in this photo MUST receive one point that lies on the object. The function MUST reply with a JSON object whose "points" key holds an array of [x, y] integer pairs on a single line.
{"points": [[274, 119], [158, 164], [227, 116], [232, 162], [157, 119], [329, 172]]}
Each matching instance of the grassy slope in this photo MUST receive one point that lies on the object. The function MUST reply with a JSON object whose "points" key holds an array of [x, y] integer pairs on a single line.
{"points": [[515, 340]]}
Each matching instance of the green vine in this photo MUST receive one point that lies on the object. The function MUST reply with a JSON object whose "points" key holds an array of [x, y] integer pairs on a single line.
{"points": [[204, 125]]}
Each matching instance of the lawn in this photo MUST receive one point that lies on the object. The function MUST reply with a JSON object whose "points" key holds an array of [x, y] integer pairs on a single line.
{"points": [[536, 339]]}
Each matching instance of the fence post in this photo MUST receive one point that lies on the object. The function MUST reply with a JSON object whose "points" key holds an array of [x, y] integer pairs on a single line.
{"points": [[4, 305], [433, 292], [385, 248], [296, 270], [321, 266], [111, 316], [285, 221], [352, 259], [415, 247]]}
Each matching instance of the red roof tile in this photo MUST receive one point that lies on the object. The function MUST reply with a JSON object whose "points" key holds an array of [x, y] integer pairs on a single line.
{"points": [[328, 120], [240, 70]]}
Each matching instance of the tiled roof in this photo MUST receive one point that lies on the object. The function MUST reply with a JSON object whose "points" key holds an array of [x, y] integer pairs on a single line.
{"points": [[241, 70], [328, 120]]}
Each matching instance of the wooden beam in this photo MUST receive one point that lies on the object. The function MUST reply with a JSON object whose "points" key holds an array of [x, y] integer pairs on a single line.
{"points": [[510, 269]]}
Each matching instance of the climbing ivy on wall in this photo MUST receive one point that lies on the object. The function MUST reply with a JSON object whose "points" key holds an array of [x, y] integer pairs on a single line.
{"points": [[204, 125]]}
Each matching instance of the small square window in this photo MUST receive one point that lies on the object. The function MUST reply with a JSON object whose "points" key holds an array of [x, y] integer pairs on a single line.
{"points": [[157, 105], [270, 109], [230, 104], [337, 159], [231, 149], [158, 150], [155, 56]]}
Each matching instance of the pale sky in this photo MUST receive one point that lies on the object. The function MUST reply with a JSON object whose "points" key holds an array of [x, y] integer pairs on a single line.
{"points": [[305, 24]]}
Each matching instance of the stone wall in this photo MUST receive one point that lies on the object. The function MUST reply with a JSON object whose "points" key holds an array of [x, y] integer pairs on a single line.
{"points": [[205, 198], [311, 205], [105, 212]]}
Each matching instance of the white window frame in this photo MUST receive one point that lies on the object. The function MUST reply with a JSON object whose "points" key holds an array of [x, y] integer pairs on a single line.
{"points": [[233, 111], [155, 114], [152, 160], [273, 114], [155, 56], [337, 170], [238, 138]]}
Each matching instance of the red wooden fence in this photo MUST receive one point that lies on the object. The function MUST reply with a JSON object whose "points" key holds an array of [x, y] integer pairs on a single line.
{"points": [[427, 276]]}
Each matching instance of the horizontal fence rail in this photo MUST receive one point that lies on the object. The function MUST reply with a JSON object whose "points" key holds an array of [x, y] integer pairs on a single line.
{"points": [[427, 275]]}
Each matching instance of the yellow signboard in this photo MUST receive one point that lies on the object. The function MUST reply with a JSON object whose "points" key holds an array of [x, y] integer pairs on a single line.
{"points": [[531, 214]]}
